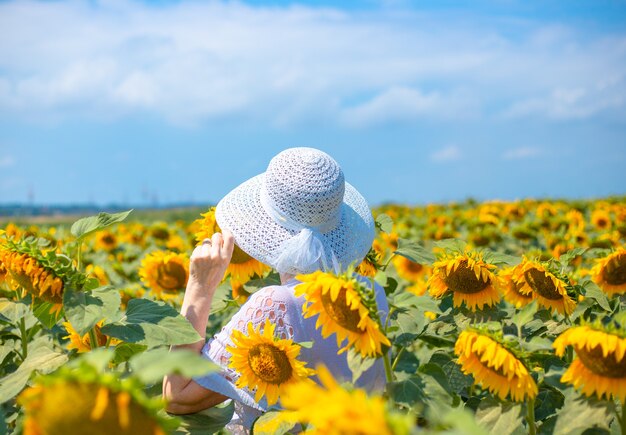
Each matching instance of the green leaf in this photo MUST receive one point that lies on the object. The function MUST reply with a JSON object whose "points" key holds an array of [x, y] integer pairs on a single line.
{"points": [[46, 314], [97, 358], [498, 417], [124, 351], [384, 223], [547, 403], [209, 421], [594, 292], [40, 358], [414, 252], [408, 392], [460, 421], [357, 364], [580, 413], [13, 311], [271, 423], [152, 365], [570, 255], [525, 315], [152, 323], [84, 309], [86, 226], [454, 245]]}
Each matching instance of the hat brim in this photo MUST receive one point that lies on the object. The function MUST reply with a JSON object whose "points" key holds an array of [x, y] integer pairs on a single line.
{"points": [[257, 234]]}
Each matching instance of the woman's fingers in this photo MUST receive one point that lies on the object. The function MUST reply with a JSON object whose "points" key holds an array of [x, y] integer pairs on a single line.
{"points": [[216, 244], [229, 244]]}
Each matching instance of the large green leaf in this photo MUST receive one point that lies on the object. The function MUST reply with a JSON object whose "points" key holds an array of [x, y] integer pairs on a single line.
{"points": [[525, 315], [594, 292], [210, 420], [579, 414], [153, 324], [498, 417], [270, 423], [357, 364], [88, 225], [414, 252], [384, 222], [85, 308], [41, 357], [152, 365]]}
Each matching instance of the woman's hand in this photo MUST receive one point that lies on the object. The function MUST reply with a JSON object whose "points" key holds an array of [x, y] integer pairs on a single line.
{"points": [[209, 262], [206, 270]]}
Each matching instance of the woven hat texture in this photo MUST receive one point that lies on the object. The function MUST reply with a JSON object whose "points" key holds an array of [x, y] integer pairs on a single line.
{"points": [[302, 195]]}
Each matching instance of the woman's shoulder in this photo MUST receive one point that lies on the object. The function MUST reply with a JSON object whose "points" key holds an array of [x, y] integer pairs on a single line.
{"points": [[272, 298]]}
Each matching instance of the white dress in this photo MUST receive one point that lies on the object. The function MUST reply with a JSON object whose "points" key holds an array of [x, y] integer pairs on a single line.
{"points": [[284, 309]]}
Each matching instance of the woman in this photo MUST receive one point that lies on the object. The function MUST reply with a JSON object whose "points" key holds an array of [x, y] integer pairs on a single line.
{"points": [[298, 217]]}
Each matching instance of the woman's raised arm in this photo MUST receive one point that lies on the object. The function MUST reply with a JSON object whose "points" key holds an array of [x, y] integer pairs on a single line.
{"points": [[206, 269]]}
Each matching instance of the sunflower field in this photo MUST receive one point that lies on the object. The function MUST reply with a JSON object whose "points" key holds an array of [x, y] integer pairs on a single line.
{"points": [[504, 318]]}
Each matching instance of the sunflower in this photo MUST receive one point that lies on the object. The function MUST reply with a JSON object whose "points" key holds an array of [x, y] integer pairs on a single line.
{"points": [[511, 289], [88, 403], [106, 240], [28, 272], [97, 272], [242, 267], [131, 291], [330, 409], [600, 366], [266, 363], [494, 366], [544, 285], [166, 273], [83, 344], [409, 270], [239, 293], [469, 277], [610, 272], [344, 309], [371, 263], [601, 219], [3, 272]]}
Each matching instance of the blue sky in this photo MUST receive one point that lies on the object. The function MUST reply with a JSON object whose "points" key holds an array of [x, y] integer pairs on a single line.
{"points": [[419, 101]]}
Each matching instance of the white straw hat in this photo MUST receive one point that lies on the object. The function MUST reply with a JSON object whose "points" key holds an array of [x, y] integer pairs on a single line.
{"points": [[300, 215]]}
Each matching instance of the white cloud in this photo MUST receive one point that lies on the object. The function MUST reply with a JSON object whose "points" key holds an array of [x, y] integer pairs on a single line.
{"points": [[521, 153], [191, 61], [449, 153], [7, 161]]}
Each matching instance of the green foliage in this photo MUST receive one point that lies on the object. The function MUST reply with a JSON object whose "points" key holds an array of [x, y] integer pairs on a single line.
{"points": [[89, 225]]}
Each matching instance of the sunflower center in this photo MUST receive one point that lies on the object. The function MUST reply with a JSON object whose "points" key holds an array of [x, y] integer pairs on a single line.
{"points": [[108, 239], [340, 312], [463, 280], [607, 366], [171, 276], [615, 271], [239, 257], [160, 233], [269, 363], [516, 286], [414, 267], [542, 284]]}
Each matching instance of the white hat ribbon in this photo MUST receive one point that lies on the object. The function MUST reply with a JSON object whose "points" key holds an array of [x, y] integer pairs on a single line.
{"points": [[305, 251]]}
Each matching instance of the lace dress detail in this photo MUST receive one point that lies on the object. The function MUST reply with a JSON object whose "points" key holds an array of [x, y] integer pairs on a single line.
{"points": [[282, 308]]}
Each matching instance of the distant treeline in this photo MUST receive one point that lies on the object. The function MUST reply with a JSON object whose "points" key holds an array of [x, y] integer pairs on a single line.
{"points": [[24, 210]]}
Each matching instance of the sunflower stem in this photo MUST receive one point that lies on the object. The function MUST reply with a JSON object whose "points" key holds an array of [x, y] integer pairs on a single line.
{"points": [[23, 338], [388, 369], [623, 419], [93, 338], [530, 417], [384, 266], [395, 361], [78, 255]]}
